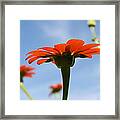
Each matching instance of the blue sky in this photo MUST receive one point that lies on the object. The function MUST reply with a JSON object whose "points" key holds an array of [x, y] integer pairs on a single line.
{"points": [[85, 74]]}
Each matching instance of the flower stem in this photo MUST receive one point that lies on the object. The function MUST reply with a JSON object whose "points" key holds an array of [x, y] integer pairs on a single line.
{"points": [[66, 77], [25, 90]]}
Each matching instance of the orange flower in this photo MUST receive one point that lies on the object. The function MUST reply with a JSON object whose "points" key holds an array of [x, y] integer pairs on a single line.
{"points": [[63, 54], [55, 88], [26, 71]]}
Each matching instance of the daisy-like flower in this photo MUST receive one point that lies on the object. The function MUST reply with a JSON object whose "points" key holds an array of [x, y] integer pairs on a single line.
{"points": [[63, 55], [55, 88], [26, 71]]}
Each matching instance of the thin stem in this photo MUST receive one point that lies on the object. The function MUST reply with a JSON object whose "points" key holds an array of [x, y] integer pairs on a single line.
{"points": [[25, 90], [66, 77], [21, 78]]}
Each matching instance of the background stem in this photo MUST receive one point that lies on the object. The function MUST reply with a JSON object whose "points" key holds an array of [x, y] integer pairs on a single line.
{"points": [[66, 77], [25, 90]]}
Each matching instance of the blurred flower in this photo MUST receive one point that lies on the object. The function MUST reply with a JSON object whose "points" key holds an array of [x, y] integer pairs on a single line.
{"points": [[26, 71], [63, 55], [55, 88]]}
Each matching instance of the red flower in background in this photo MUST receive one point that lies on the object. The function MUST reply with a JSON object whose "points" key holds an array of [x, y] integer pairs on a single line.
{"points": [[63, 55], [55, 88], [26, 71]]}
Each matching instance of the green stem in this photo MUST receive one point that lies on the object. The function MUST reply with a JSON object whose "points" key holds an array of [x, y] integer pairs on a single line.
{"points": [[66, 77], [25, 90]]}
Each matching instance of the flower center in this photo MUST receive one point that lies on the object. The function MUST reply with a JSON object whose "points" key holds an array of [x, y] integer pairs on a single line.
{"points": [[64, 60]]}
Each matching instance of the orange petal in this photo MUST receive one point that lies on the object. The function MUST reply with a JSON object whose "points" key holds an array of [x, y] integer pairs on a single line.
{"points": [[68, 48], [32, 59], [92, 51], [51, 50], [88, 55], [39, 51], [41, 61], [28, 68], [60, 47], [75, 44], [39, 54], [29, 74], [42, 54], [29, 57], [53, 86], [73, 41], [56, 86], [22, 67], [88, 46], [31, 52]]}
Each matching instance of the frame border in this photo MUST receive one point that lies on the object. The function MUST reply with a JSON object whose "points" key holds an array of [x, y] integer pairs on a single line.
{"points": [[52, 2]]}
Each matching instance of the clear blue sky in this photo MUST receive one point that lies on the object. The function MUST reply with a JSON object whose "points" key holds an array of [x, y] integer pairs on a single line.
{"points": [[85, 74]]}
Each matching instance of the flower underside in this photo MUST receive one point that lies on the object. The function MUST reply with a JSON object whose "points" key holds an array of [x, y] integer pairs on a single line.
{"points": [[63, 54], [55, 88], [64, 60]]}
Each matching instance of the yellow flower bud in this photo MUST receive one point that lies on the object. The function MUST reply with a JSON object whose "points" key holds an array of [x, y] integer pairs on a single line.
{"points": [[91, 23]]}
